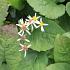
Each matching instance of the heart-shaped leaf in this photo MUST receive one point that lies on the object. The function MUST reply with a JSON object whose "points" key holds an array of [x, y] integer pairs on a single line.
{"points": [[48, 8], [68, 8], [59, 66], [42, 41], [34, 61], [62, 48]]}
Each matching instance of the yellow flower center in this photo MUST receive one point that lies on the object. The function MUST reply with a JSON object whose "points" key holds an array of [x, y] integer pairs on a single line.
{"points": [[35, 18], [41, 23]]}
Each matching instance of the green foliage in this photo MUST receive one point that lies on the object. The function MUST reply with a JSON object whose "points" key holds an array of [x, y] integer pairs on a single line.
{"points": [[50, 50], [68, 8], [59, 66], [44, 41], [34, 61], [64, 22], [62, 48], [3, 10], [60, 0], [9, 54], [48, 8], [18, 4]]}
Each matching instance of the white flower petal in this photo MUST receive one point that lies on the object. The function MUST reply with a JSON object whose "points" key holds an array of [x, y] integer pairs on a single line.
{"points": [[27, 20], [42, 29], [19, 39], [28, 32], [19, 33], [37, 22], [35, 14], [22, 33], [25, 53], [27, 28], [21, 50], [27, 40], [21, 21], [29, 17], [21, 45], [40, 19], [45, 24], [35, 25], [18, 25], [28, 46]]}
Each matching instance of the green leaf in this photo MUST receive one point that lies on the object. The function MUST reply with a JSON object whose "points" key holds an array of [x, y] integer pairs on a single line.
{"points": [[4, 67], [64, 22], [9, 54], [34, 61], [59, 66], [9, 50], [48, 8], [42, 41], [3, 10], [67, 34], [60, 0], [62, 48], [68, 8], [18, 4]]}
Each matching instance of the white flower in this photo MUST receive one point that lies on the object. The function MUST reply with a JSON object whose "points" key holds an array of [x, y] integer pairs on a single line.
{"points": [[24, 48], [32, 21], [24, 27], [23, 38], [42, 24]]}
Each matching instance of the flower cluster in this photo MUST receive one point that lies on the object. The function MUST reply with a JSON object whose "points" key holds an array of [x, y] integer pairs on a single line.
{"points": [[27, 27]]}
